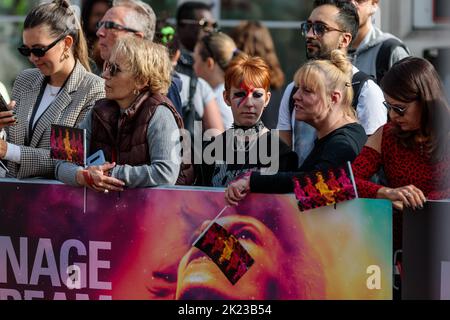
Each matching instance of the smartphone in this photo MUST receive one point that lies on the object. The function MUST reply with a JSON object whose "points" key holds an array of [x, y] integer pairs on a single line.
{"points": [[3, 104], [96, 159]]}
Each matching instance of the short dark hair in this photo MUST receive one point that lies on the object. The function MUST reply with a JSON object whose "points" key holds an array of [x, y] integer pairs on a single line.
{"points": [[348, 18], [187, 9]]}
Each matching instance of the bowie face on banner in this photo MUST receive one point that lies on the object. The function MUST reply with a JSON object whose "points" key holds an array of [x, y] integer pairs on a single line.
{"points": [[280, 270]]}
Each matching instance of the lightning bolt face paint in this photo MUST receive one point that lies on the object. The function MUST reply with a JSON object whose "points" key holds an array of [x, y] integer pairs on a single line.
{"points": [[247, 103], [248, 91]]}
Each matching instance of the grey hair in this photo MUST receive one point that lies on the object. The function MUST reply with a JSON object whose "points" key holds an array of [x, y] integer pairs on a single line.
{"points": [[141, 17]]}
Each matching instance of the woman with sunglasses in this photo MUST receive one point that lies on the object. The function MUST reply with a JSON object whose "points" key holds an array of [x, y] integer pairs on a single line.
{"points": [[136, 126], [60, 90], [413, 148]]}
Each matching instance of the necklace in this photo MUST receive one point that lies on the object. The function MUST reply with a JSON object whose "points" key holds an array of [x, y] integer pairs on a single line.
{"points": [[248, 131]]}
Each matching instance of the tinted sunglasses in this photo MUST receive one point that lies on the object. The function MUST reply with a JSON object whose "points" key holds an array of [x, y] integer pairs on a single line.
{"points": [[112, 68], [40, 52], [318, 28], [398, 110], [113, 25], [202, 23]]}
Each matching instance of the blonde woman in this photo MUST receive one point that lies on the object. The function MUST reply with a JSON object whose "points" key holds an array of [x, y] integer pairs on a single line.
{"points": [[134, 126], [212, 54], [323, 101]]}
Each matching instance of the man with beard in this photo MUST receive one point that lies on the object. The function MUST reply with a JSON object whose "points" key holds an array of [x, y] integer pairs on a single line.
{"points": [[332, 24]]}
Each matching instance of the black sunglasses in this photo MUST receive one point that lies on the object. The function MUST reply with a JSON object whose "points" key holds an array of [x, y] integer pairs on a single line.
{"points": [[202, 23], [40, 52], [113, 25], [398, 110], [112, 68], [319, 28]]}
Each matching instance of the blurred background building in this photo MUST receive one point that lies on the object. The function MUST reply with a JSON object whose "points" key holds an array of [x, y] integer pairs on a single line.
{"points": [[424, 25]]}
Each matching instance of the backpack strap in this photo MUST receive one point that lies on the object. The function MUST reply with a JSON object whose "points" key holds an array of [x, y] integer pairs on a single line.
{"points": [[291, 99], [384, 56], [358, 81]]}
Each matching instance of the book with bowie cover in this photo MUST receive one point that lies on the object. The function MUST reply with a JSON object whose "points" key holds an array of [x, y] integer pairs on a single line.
{"points": [[68, 143], [323, 188], [226, 252]]}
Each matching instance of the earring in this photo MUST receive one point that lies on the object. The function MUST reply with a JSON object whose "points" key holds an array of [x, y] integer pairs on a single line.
{"points": [[136, 92], [66, 54]]}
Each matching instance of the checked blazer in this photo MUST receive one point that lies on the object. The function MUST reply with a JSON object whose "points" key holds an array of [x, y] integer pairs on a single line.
{"points": [[69, 108]]}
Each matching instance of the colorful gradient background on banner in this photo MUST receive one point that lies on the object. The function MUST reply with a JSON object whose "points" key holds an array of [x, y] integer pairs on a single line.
{"points": [[320, 254]]}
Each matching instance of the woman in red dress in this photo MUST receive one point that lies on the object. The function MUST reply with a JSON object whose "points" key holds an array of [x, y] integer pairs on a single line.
{"points": [[413, 148]]}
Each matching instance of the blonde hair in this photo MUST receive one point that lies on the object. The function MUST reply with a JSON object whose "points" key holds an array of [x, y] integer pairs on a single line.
{"points": [[218, 46], [325, 76], [149, 62]]}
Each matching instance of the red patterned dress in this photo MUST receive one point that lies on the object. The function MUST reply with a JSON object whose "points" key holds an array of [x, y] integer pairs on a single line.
{"points": [[402, 167]]}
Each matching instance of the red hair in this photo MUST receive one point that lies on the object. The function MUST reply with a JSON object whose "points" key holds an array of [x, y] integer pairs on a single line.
{"points": [[248, 71]]}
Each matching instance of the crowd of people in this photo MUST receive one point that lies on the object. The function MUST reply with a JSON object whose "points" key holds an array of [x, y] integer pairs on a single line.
{"points": [[135, 83]]}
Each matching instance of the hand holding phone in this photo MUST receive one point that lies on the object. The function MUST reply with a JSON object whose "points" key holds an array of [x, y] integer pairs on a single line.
{"points": [[96, 159], [9, 118], [3, 104]]}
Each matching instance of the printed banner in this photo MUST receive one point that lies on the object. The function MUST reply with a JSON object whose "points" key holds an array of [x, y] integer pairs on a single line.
{"points": [[67, 143], [138, 245]]}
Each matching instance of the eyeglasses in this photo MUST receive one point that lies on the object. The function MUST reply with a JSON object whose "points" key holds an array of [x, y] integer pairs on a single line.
{"points": [[398, 110], [113, 25], [202, 23], [319, 28], [40, 52], [112, 68]]}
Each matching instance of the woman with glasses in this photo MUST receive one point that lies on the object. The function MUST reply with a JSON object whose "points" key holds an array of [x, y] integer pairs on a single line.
{"points": [[413, 148], [60, 90], [136, 126], [212, 54]]}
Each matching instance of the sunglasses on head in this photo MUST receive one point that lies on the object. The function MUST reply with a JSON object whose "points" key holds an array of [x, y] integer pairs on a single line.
{"points": [[112, 68], [202, 23], [398, 110], [40, 52], [113, 25], [318, 28]]}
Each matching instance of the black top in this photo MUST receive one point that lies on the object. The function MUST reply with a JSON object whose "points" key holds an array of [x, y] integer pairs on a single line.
{"points": [[333, 150], [230, 161]]}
